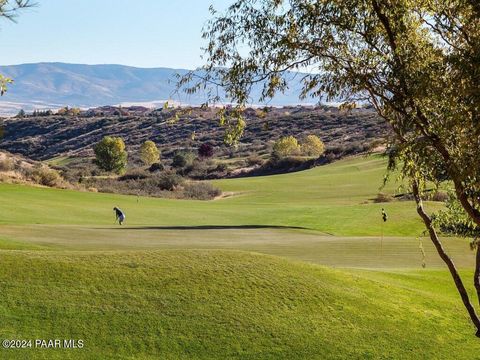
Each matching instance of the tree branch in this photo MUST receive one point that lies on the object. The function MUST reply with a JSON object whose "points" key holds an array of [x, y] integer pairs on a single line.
{"points": [[446, 259], [476, 276]]}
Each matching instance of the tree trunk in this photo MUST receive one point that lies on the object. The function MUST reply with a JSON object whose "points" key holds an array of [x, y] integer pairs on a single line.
{"points": [[476, 276], [447, 260]]}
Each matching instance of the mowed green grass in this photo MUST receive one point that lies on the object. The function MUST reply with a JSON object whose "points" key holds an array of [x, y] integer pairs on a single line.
{"points": [[332, 199], [323, 215], [337, 251], [186, 280], [225, 305]]}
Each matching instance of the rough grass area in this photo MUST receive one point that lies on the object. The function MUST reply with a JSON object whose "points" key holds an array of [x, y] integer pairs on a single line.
{"points": [[219, 305]]}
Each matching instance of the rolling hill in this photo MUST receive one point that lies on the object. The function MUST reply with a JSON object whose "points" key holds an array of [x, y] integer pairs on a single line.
{"points": [[54, 85], [329, 219], [44, 137], [238, 278]]}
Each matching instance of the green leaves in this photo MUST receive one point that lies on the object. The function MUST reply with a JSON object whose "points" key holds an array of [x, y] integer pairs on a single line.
{"points": [[149, 153], [4, 81], [346, 106], [232, 119], [312, 146], [9, 8], [173, 119], [110, 154], [415, 61], [234, 131], [285, 146], [455, 221]]}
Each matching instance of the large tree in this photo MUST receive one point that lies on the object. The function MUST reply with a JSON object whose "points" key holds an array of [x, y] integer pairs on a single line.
{"points": [[415, 61], [110, 154]]}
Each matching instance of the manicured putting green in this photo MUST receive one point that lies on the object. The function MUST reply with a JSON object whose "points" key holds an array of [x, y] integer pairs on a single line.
{"points": [[338, 251]]}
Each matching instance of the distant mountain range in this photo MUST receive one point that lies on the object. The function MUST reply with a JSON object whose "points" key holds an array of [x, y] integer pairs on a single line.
{"points": [[54, 85]]}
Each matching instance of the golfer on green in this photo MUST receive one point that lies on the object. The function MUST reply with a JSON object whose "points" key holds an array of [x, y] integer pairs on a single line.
{"points": [[119, 215]]}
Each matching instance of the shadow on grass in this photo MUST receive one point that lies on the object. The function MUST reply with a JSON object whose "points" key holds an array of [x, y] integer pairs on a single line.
{"points": [[209, 227]]}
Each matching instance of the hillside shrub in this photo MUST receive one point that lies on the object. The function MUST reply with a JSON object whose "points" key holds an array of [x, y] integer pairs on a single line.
{"points": [[312, 146], [135, 174], [440, 196], [149, 153], [182, 159], [201, 191], [156, 167], [221, 167], [287, 164], [205, 150], [254, 160], [167, 185], [198, 169], [382, 198], [7, 165], [285, 146], [43, 175], [169, 181]]}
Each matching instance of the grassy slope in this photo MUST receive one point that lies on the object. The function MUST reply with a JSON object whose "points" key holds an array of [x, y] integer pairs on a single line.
{"points": [[218, 305], [330, 199], [226, 304]]}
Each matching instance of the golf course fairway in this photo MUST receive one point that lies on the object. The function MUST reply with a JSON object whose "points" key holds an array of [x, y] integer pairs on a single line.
{"points": [[292, 266]]}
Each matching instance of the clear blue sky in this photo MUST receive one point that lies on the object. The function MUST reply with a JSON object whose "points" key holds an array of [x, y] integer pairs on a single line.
{"points": [[143, 33]]}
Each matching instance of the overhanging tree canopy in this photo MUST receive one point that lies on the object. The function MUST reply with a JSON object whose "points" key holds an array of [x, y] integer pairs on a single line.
{"points": [[415, 61]]}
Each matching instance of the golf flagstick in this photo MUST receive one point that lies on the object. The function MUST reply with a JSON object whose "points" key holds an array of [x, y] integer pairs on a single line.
{"points": [[381, 241], [384, 218]]}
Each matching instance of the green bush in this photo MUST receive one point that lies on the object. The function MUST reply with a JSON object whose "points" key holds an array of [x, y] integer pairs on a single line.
{"points": [[110, 154], [285, 146], [183, 159], [149, 153], [312, 146]]}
